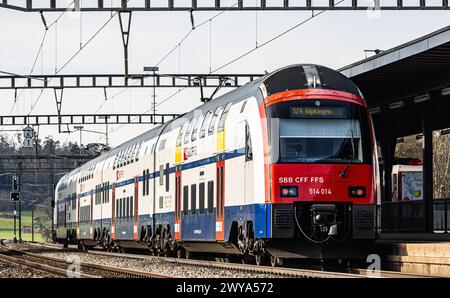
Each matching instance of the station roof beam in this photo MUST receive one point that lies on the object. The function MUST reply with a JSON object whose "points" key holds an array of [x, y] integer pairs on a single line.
{"points": [[178, 5], [124, 81]]}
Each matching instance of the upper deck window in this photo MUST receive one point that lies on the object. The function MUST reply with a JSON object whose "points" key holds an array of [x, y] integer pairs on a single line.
{"points": [[205, 123], [223, 117], [188, 131], [195, 129], [213, 120]]}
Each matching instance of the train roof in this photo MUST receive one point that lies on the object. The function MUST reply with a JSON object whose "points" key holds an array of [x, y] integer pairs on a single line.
{"points": [[297, 76]]}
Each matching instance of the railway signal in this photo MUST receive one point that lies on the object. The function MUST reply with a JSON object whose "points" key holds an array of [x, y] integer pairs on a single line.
{"points": [[15, 196], [15, 183]]}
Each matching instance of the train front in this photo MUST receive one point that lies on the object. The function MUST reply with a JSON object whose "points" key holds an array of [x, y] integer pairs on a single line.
{"points": [[322, 163]]}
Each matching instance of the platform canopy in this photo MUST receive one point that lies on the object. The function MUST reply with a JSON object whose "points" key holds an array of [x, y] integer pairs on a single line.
{"points": [[407, 89], [404, 79]]}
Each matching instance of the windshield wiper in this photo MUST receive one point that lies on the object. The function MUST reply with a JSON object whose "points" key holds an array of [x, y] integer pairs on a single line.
{"points": [[342, 174]]}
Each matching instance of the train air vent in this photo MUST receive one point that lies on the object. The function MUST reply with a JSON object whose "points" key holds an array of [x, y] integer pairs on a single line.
{"points": [[282, 218], [364, 219]]}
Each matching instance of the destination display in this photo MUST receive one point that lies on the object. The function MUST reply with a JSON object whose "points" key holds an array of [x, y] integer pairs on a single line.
{"points": [[317, 112]]}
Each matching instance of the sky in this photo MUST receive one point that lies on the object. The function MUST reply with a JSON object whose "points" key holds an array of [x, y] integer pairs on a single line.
{"points": [[333, 39]]}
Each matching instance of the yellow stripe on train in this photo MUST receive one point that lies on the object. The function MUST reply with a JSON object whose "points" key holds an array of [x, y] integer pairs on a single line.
{"points": [[178, 154], [221, 141]]}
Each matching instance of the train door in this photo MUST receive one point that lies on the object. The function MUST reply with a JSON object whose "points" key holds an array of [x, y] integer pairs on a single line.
{"points": [[201, 223], [78, 216], [91, 221], [249, 176], [177, 217], [220, 199], [135, 210], [113, 212]]}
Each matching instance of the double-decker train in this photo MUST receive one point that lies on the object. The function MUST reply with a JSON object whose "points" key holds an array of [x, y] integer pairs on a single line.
{"points": [[284, 166]]}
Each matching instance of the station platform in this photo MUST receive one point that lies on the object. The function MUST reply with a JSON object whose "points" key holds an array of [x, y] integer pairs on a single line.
{"points": [[429, 258]]}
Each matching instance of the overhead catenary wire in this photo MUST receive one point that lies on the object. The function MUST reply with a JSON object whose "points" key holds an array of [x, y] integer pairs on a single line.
{"points": [[272, 39], [145, 112], [242, 55], [73, 57], [171, 51], [40, 50]]}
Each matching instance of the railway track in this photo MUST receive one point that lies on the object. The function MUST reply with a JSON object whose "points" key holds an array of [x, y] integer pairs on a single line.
{"points": [[251, 269], [59, 266]]}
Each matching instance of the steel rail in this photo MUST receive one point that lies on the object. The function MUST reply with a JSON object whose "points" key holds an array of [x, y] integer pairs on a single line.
{"points": [[100, 268], [289, 272]]}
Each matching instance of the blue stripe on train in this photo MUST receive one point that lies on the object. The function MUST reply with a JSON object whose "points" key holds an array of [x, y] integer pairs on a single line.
{"points": [[181, 167], [197, 226]]}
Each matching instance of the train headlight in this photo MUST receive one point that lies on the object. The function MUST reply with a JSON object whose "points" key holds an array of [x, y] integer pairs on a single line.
{"points": [[289, 191], [357, 191]]}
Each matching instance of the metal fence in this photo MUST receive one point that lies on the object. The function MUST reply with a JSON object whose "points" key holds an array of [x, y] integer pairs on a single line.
{"points": [[408, 216], [441, 215]]}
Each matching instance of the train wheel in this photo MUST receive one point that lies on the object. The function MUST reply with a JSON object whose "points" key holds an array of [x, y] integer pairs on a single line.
{"points": [[187, 254]]}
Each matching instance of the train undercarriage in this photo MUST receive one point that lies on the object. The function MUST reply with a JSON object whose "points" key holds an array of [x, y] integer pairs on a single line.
{"points": [[308, 231]]}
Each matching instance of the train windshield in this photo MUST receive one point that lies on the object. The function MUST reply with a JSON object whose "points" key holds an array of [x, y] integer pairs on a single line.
{"points": [[320, 131]]}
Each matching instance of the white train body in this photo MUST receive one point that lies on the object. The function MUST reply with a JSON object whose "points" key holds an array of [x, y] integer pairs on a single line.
{"points": [[212, 174]]}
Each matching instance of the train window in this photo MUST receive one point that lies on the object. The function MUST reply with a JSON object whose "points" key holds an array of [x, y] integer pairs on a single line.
{"points": [[220, 191], [131, 206], [180, 133], [195, 129], [129, 154], [144, 181], [127, 208], [188, 131], [214, 117], [248, 143], [138, 150], [223, 117], [162, 145], [193, 198], [132, 153], [119, 159], [177, 197], [161, 202], [205, 124], [210, 196], [243, 106], [122, 158], [161, 175], [185, 200], [153, 148], [167, 176], [147, 186], [117, 208], [107, 193], [201, 197], [123, 207]]}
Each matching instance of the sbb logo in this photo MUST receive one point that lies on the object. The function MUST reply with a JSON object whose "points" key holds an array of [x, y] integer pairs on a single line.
{"points": [[285, 180]]}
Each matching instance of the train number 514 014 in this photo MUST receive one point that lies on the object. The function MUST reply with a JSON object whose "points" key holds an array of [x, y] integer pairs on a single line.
{"points": [[320, 191]]}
